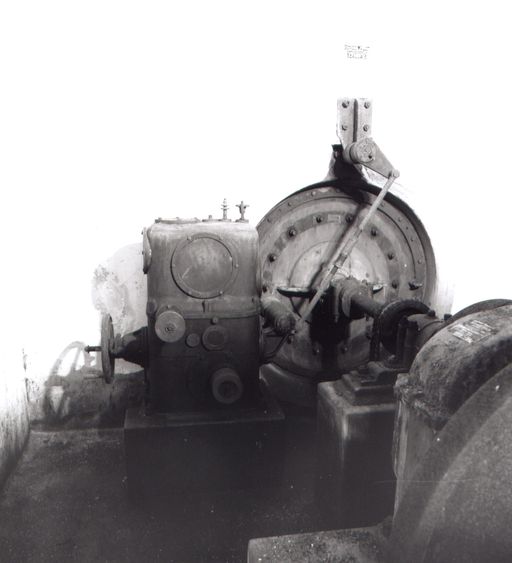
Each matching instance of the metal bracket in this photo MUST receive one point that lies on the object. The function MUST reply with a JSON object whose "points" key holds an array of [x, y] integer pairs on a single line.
{"points": [[354, 132], [367, 153], [354, 120]]}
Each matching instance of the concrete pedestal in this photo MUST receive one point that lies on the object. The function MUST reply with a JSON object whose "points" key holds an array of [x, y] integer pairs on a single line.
{"points": [[169, 455], [355, 481]]}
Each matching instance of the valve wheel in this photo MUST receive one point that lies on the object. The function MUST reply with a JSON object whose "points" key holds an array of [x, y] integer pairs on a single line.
{"points": [[107, 348]]}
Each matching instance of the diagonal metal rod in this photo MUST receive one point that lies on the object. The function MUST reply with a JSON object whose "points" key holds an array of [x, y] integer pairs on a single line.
{"points": [[345, 248]]}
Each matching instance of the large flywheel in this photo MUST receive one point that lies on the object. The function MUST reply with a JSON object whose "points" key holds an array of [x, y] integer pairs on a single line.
{"points": [[393, 258]]}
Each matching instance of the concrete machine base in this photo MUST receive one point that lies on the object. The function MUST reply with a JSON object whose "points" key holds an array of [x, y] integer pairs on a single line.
{"points": [[355, 479], [173, 454]]}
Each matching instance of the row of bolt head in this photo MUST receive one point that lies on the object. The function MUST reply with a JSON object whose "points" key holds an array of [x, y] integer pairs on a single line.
{"points": [[346, 103]]}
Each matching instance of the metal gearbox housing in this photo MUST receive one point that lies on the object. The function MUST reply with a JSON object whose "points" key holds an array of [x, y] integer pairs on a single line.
{"points": [[203, 314]]}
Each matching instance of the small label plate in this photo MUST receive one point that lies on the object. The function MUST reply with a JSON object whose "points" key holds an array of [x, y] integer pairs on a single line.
{"points": [[472, 331]]}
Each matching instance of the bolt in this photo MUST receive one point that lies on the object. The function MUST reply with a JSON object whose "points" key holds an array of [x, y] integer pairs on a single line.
{"points": [[394, 284], [367, 105], [366, 127], [215, 320], [319, 218], [344, 127], [345, 103], [373, 232], [224, 208], [391, 255], [272, 257], [292, 232], [170, 328], [349, 218]]}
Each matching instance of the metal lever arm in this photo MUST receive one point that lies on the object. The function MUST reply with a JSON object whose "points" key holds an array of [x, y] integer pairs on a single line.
{"points": [[366, 152]]}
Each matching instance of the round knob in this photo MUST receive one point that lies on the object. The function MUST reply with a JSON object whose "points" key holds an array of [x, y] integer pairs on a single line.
{"points": [[170, 326], [227, 387]]}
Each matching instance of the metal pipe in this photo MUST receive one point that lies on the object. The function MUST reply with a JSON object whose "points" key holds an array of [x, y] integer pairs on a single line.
{"points": [[277, 315]]}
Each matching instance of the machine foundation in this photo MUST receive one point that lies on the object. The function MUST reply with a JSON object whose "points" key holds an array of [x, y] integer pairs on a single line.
{"points": [[173, 454], [355, 481]]}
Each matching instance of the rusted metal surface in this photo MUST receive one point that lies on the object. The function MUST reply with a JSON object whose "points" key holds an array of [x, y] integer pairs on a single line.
{"points": [[448, 370], [280, 317], [298, 239], [457, 499], [342, 252], [456, 361], [203, 312]]}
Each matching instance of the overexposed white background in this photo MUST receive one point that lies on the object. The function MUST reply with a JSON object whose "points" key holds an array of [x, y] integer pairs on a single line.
{"points": [[113, 113]]}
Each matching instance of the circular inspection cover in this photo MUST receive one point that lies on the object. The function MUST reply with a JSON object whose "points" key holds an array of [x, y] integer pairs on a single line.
{"points": [[203, 266], [300, 236]]}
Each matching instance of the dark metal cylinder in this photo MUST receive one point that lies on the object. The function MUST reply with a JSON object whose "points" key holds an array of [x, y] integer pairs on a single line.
{"points": [[355, 301], [277, 315], [227, 387]]}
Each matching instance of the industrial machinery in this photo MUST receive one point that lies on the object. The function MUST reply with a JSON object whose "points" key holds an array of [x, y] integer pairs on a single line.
{"points": [[327, 304], [451, 451], [315, 292]]}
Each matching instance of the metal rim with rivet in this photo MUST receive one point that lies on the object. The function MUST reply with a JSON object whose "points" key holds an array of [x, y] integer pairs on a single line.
{"points": [[393, 254]]}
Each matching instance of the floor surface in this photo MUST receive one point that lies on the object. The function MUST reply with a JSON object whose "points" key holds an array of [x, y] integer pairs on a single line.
{"points": [[67, 501]]}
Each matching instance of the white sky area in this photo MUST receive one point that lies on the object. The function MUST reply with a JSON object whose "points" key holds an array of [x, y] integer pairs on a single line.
{"points": [[115, 113]]}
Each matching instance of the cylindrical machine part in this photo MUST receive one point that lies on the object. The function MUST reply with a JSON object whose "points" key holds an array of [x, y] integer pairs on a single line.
{"points": [[170, 326], [227, 387], [449, 368], [278, 315], [355, 302]]}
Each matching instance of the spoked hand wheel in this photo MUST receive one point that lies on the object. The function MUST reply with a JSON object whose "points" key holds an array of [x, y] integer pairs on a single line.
{"points": [[106, 348]]}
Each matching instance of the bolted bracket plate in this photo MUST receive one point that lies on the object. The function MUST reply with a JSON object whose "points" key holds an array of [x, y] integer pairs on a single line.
{"points": [[354, 120]]}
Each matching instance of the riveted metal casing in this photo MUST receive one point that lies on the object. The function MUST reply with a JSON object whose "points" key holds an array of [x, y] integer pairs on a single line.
{"points": [[203, 312]]}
